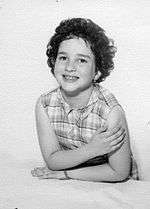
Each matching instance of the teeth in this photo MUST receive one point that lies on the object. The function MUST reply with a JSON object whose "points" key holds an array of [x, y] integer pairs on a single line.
{"points": [[68, 77]]}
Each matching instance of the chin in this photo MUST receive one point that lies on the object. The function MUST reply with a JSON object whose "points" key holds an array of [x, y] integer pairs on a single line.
{"points": [[70, 92], [74, 91]]}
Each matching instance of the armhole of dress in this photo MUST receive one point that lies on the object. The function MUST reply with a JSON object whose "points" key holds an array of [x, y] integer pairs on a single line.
{"points": [[113, 102]]}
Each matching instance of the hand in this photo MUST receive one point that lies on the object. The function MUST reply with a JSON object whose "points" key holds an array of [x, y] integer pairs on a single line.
{"points": [[105, 141], [45, 173]]}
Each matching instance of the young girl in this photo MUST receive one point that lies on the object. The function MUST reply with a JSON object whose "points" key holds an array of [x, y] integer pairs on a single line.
{"points": [[81, 127]]}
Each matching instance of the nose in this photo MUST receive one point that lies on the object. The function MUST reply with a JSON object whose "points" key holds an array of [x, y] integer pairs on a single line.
{"points": [[70, 67]]}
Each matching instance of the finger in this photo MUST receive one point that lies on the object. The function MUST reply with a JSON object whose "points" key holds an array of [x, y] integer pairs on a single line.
{"points": [[102, 129], [112, 134], [33, 173], [116, 135], [117, 146], [115, 129], [39, 171], [47, 176], [44, 168], [118, 140]]}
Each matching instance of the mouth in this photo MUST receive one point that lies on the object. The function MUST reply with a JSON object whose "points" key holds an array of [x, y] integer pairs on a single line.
{"points": [[70, 78]]}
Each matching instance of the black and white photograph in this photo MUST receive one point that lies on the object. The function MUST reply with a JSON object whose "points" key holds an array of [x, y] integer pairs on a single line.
{"points": [[74, 104]]}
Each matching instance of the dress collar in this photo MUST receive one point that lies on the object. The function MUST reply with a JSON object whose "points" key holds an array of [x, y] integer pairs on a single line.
{"points": [[67, 108]]}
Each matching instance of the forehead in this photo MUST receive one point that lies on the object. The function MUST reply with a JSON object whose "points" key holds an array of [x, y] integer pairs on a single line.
{"points": [[76, 46]]}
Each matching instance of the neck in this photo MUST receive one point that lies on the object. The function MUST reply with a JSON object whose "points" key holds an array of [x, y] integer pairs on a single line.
{"points": [[78, 100]]}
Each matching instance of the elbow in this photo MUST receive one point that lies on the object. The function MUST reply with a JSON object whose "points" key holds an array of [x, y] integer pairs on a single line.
{"points": [[123, 176], [52, 164]]}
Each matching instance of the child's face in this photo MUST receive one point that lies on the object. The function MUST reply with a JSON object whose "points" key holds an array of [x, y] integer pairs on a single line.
{"points": [[74, 66]]}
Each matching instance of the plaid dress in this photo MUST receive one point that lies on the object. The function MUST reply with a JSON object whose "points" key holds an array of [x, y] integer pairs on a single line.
{"points": [[75, 127]]}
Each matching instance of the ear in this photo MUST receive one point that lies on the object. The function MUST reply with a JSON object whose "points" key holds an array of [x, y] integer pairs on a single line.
{"points": [[97, 75]]}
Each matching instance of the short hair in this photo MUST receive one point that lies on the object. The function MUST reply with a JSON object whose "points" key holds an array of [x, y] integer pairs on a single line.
{"points": [[102, 47]]}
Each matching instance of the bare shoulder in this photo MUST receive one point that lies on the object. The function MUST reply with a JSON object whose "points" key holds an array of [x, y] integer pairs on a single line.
{"points": [[117, 116]]}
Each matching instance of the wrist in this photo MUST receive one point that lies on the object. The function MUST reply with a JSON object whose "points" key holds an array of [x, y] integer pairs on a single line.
{"points": [[67, 177], [64, 175]]}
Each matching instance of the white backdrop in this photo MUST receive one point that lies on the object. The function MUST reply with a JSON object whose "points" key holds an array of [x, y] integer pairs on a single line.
{"points": [[26, 26]]}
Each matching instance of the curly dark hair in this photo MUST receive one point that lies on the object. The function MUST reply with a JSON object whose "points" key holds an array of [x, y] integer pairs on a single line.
{"points": [[102, 47]]}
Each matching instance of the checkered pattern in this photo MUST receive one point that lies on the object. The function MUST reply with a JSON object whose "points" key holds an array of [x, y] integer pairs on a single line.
{"points": [[75, 127]]}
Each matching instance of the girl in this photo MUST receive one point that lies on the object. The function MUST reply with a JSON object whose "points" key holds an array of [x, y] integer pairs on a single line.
{"points": [[81, 127]]}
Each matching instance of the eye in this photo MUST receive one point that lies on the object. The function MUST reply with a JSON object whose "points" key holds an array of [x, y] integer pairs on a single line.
{"points": [[62, 58], [82, 60]]}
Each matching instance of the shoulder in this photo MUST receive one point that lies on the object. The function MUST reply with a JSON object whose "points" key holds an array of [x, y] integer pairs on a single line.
{"points": [[116, 116], [107, 97], [111, 109], [47, 98]]}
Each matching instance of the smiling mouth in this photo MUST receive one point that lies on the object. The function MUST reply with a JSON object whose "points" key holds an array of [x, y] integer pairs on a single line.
{"points": [[70, 78]]}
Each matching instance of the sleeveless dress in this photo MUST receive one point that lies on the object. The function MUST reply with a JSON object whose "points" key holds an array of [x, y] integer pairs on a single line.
{"points": [[75, 127]]}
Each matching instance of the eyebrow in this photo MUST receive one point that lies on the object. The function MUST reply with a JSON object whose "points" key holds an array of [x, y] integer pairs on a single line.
{"points": [[80, 55], [62, 53], [84, 55]]}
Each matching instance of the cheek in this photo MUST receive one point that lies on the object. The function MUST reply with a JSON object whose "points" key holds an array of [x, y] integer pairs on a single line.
{"points": [[57, 68], [88, 75], [91, 71]]}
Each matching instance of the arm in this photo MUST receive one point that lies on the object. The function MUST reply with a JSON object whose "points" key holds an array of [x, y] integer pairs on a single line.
{"points": [[55, 158], [120, 160], [118, 167]]}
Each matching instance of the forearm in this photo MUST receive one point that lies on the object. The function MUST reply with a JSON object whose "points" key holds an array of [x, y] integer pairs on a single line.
{"points": [[69, 158], [100, 173]]}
